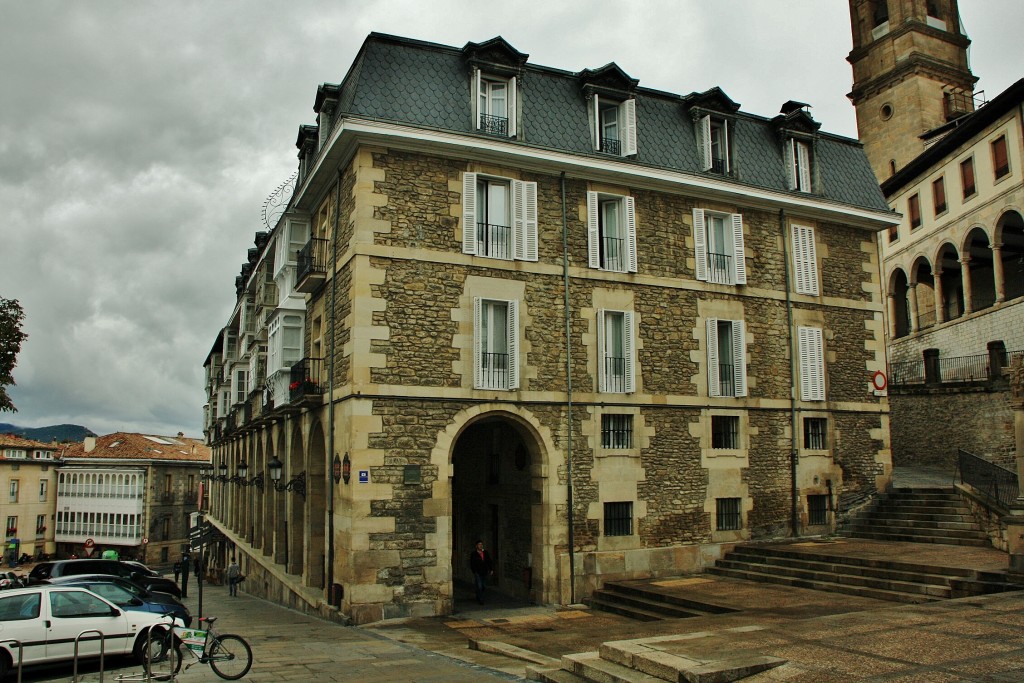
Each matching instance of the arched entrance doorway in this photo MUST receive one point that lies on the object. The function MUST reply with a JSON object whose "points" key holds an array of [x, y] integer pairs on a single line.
{"points": [[495, 499]]}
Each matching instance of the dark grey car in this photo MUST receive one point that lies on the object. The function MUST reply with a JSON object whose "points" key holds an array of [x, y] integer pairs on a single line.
{"points": [[138, 573]]}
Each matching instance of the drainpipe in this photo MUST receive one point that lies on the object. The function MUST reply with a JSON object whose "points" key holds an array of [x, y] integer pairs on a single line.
{"points": [[330, 406], [568, 393], [794, 454]]}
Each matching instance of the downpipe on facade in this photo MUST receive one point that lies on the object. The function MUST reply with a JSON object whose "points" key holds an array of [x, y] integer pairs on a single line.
{"points": [[568, 394], [794, 453]]}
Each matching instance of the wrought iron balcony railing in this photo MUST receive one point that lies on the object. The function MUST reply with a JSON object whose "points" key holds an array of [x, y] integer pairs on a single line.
{"points": [[998, 484], [611, 146], [494, 370], [311, 265], [615, 375], [494, 240], [726, 379], [613, 255], [720, 268], [494, 125], [717, 165], [306, 379]]}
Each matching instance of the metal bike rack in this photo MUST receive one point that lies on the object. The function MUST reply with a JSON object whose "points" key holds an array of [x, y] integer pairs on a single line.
{"points": [[103, 647], [147, 671], [21, 653]]}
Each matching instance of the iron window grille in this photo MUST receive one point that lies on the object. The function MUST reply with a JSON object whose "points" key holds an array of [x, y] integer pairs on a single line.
{"points": [[817, 510], [494, 125], [611, 146], [725, 431], [815, 433], [727, 514], [616, 431], [618, 519]]}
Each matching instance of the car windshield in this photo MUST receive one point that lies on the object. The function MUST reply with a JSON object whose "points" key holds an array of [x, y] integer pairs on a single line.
{"points": [[116, 594]]}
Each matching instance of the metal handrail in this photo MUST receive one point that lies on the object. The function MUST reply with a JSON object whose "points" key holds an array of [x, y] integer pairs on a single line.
{"points": [[103, 648], [998, 484], [21, 653]]}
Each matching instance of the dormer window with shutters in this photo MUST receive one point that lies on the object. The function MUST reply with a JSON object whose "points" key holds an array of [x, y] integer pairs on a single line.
{"points": [[499, 217], [495, 66], [713, 114], [714, 136], [611, 104], [718, 242], [798, 161], [797, 130], [611, 230]]}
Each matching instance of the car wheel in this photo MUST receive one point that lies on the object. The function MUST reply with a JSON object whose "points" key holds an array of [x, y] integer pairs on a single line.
{"points": [[5, 663], [157, 645]]}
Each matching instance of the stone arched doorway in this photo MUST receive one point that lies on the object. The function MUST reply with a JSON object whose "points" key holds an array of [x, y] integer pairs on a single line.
{"points": [[316, 503], [496, 497]]}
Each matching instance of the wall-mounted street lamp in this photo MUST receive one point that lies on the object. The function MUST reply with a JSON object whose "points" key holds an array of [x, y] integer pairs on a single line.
{"points": [[296, 483], [241, 479], [223, 476]]}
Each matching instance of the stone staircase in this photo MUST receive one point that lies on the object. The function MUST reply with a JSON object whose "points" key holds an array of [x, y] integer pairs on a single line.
{"points": [[642, 601], [646, 661], [918, 515], [892, 580]]}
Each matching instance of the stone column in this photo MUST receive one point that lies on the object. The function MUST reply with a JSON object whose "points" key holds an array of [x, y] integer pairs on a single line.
{"points": [[997, 273], [965, 279], [890, 304], [940, 303], [913, 307], [1014, 522]]}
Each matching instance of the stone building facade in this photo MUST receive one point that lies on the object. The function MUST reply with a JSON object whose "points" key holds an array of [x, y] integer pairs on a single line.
{"points": [[953, 269], [608, 330], [28, 471]]}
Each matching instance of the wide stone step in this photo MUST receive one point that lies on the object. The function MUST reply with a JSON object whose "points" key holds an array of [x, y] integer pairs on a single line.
{"points": [[919, 530], [918, 516], [552, 675], [940, 589], [643, 590], [914, 538], [592, 668], [907, 521], [830, 586], [891, 508], [838, 568], [648, 656], [634, 608], [823, 555]]}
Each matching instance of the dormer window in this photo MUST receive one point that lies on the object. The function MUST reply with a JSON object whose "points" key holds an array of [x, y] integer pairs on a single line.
{"points": [[798, 161], [714, 143], [495, 105], [614, 126]]}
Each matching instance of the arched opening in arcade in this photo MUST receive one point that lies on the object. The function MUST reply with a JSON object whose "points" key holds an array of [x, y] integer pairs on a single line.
{"points": [[496, 496]]}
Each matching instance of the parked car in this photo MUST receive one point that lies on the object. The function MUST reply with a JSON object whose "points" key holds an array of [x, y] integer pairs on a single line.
{"points": [[127, 594], [139, 573], [47, 619]]}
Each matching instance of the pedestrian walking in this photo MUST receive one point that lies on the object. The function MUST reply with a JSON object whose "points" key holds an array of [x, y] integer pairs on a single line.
{"points": [[234, 577], [177, 571], [186, 565], [482, 565]]}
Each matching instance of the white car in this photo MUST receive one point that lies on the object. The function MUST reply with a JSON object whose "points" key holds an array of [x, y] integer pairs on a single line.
{"points": [[47, 619]]}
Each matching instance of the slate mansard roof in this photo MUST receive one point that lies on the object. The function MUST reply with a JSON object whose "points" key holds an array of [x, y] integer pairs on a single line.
{"points": [[426, 85]]}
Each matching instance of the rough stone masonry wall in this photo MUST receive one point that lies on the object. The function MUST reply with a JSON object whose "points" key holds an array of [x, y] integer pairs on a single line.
{"points": [[929, 425]]}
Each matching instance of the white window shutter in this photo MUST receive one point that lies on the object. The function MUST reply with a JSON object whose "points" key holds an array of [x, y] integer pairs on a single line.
{"points": [[477, 342], [804, 159], [476, 99], [469, 213], [799, 267], [593, 233], [530, 220], [725, 146], [714, 388], [629, 142], [739, 260], [739, 346], [518, 221], [805, 260], [512, 108], [597, 123], [629, 351], [790, 156], [513, 344], [629, 204], [602, 362], [705, 143], [812, 364], [700, 244], [811, 256]]}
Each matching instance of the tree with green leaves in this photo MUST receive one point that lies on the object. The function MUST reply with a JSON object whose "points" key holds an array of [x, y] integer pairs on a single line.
{"points": [[11, 336]]}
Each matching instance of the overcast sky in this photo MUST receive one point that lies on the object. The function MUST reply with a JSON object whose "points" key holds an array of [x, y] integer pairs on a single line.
{"points": [[139, 139]]}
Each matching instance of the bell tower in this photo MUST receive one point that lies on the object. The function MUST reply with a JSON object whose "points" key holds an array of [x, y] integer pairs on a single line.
{"points": [[910, 75]]}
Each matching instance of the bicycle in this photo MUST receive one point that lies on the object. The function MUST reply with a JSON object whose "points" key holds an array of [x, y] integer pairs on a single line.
{"points": [[228, 655]]}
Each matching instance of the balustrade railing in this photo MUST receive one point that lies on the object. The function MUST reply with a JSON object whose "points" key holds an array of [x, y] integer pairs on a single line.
{"points": [[998, 484], [611, 146], [495, 125], [615, 375], [614, 255], [494, 240], [494, 370], [719, 268]]}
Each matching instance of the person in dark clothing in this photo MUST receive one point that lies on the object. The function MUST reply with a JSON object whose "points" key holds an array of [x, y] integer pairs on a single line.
{"points": [[186, 564], [482, 565], [177, 571]]}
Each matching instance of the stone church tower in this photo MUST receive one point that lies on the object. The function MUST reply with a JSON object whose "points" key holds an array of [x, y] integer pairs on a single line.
{"points": [[910, 75]]}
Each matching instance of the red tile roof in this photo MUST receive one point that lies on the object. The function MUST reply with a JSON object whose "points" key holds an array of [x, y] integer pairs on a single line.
{"points": [[130, 446], [12, 441]]}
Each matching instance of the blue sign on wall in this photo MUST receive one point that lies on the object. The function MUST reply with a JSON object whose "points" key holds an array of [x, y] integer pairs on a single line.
{"points": [[364, 476]]}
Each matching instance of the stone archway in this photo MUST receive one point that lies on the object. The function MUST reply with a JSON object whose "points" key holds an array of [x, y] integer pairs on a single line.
{"points": [[316, 506], [493, 499], [295, 522]]}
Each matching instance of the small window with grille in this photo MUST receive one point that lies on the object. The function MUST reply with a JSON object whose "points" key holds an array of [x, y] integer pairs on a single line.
{"points": [[727, 514], [616, 431], [618, 519], [817, 510], [815, 433], [725, 431]]}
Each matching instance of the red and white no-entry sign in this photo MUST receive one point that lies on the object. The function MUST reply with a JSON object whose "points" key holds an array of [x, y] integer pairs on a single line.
{"points": [[879, 381], [89, 543]]}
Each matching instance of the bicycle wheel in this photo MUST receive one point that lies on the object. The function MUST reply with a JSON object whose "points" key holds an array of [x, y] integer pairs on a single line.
{"points": [[230, 656], [166, 662]]}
